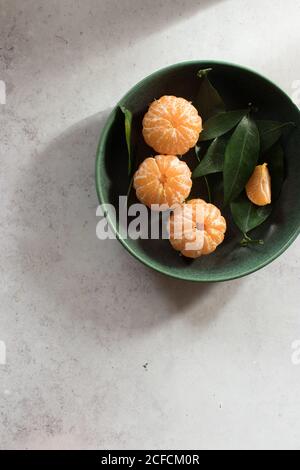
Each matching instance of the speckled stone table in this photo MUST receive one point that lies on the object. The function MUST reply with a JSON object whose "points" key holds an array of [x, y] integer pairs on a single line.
{"points": [[100, 351]]}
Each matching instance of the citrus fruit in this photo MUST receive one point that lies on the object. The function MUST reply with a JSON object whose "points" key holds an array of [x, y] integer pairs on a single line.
{"points": [[171, 126], [162, 180], [258, 188], [196, 228]]}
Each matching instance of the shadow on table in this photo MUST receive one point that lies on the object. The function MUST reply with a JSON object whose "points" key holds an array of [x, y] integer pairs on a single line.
{"points": [[132, 20], [88, 29]]}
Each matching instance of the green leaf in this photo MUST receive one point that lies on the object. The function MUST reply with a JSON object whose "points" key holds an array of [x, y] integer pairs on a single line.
{"points": [[128, 126], [221, 124], [270, 132], [208, 101], [213, 161], [241, 157], [248, 216], [276, 164]]}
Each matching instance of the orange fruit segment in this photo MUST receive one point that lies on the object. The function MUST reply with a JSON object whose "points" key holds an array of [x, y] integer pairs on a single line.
{"points": [[258, 188], [162, 180], [171, 126], [196, 228]]}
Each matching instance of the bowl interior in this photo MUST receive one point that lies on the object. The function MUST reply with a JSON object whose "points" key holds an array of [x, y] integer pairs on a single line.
{"points": [[238, 87]]}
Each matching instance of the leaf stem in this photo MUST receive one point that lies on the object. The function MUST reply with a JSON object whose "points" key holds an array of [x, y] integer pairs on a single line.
{"points": [[248, 241], [130, 186], [203, 73], [208, 189]]}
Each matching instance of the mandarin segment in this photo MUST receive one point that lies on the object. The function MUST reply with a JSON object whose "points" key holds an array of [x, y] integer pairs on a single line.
{"points": [[163, 180], [172, 126], [258, 188], [196, 228]]}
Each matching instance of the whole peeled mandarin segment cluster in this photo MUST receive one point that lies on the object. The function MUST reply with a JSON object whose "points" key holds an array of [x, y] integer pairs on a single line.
{"points": [[196, 228], [172, 126], [258, 188], [162, 180]]}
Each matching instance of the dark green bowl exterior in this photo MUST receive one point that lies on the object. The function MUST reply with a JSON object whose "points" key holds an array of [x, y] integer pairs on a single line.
{"points": [[239, 87]]}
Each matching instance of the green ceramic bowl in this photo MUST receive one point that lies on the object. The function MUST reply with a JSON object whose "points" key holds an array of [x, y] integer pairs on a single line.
{"points": [[238, 86]]}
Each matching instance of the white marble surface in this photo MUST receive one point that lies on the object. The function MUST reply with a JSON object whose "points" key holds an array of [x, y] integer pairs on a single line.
{"points": [[80, 318]]}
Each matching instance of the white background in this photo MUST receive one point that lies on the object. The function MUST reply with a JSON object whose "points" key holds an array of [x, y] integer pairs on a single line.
{"points": [[80, 317]]}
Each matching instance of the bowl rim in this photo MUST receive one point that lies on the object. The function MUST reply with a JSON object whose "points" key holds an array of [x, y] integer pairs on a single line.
{"points": [[98, 176]]}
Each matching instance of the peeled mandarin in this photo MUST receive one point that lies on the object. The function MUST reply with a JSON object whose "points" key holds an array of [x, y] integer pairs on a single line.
{"points": [[162, 180], [196, 228], [258, 188], [172, 126]]}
